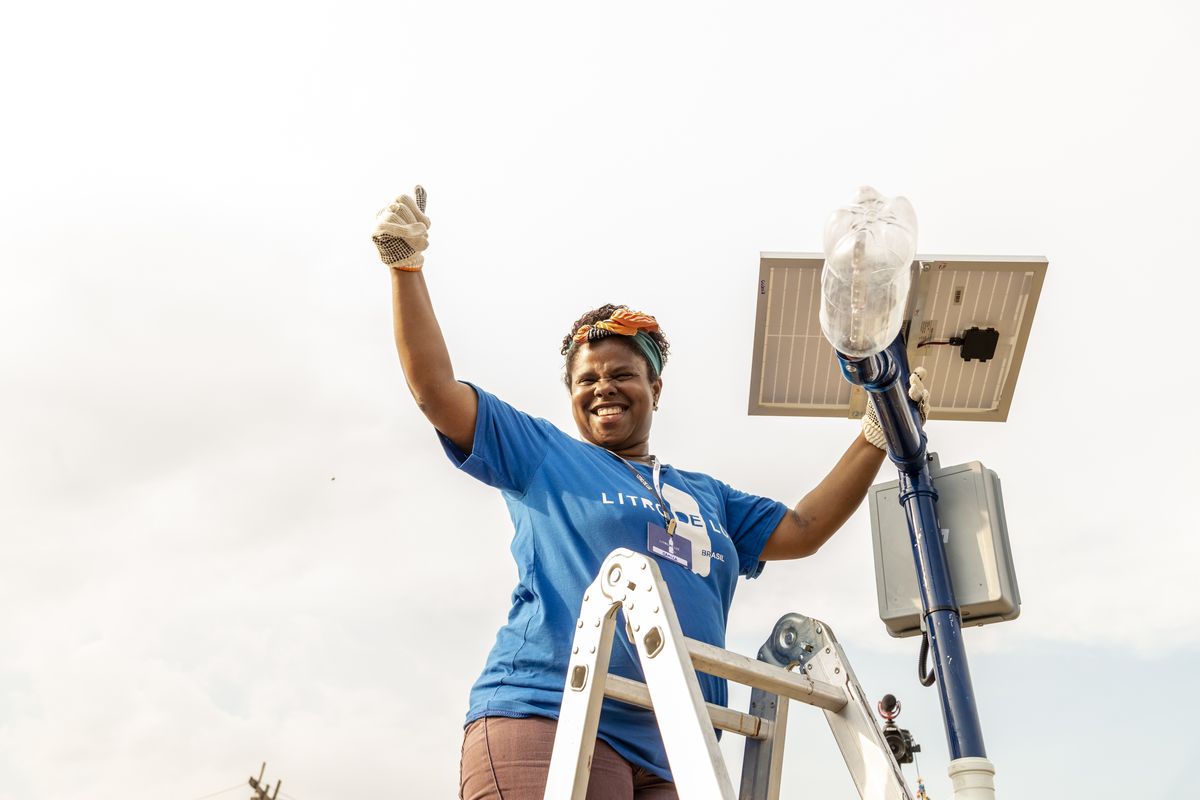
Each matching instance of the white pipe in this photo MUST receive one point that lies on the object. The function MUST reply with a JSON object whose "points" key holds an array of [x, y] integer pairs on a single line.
{"points": [[972, 779]]}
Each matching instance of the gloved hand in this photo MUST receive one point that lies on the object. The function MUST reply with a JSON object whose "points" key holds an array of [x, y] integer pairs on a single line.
{"points": [[916, 390], [402, 232]]}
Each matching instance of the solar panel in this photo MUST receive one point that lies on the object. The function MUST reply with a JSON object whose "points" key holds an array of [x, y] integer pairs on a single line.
{"points": [[795, 371]]}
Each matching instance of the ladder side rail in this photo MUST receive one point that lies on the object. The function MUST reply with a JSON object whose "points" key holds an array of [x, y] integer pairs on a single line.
{"points": [[697, 763], [633, 583], [762, 762], [583, 694], [872, 765]]}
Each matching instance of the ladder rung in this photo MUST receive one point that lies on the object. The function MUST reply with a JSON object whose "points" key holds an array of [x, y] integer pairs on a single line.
{"points": [[724, 718], [747, 671]]}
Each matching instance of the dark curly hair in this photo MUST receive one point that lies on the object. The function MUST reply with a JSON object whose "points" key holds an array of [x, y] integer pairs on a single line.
{"points": [[591, 318]]}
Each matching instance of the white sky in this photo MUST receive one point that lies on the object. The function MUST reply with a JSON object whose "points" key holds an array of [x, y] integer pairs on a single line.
{"points": [[195, 342]]}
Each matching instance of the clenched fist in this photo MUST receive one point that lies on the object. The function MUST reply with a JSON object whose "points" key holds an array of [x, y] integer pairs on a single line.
{"points": [[402, 232]]}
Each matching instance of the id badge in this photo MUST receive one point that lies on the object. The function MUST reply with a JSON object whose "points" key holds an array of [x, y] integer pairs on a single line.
{"points": [[675, 548]]}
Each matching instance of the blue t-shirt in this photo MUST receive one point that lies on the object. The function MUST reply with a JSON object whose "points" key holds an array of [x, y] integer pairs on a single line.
{"points": [[572, 503]]}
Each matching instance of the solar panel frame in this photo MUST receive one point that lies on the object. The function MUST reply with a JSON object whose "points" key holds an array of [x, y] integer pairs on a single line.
{"points": [[949, 294]]}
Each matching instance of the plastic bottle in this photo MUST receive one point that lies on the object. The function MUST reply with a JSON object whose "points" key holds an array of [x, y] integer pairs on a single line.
{"points": [[869, 248]]}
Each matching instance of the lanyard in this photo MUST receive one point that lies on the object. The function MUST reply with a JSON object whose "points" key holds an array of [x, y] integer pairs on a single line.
{"points": [[656, 489]]}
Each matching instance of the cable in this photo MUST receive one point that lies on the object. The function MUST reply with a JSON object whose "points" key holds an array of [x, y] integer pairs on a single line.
{"points": [[223, 791], [921, 795], [926, 679], [955, 341]]}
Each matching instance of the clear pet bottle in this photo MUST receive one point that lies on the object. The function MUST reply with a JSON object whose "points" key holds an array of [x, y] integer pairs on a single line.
{"points": [[869, 248]]}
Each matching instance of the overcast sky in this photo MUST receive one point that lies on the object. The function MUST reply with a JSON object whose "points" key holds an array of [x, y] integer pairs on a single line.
{"points": [[229, 536]]}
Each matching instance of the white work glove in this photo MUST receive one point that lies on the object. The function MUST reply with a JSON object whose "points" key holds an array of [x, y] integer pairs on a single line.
{"points": [[916, 390], [402, 232]]}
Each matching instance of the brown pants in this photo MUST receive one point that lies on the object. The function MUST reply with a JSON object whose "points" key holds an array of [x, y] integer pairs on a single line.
{"points": [[508, 759]]}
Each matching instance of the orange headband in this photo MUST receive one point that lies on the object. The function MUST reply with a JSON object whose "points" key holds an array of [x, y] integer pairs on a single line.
{"points": [[622, 321]]}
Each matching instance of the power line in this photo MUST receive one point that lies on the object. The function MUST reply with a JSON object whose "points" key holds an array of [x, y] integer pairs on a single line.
{"points": [[223, 791]]}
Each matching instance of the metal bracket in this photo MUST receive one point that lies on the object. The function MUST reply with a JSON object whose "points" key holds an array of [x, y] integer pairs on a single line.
{"points": [[762, 764], [809, 645]]}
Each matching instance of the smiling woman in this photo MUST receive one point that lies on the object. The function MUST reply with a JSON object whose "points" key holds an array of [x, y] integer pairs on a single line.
{"points": [[613, 369], [572, 501]]}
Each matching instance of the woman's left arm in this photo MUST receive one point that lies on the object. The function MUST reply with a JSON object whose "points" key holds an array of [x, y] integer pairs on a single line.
{"points": [[826, 508]]}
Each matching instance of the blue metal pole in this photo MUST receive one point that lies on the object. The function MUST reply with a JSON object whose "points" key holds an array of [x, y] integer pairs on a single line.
{"points": [[885, 375]]}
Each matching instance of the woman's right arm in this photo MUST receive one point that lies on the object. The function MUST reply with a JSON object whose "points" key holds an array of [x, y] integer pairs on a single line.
{"points": [[402, 234], [449, 405]]}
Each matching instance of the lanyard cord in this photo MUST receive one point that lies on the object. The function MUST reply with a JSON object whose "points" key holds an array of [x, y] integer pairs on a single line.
{"points": [[663, 508]]}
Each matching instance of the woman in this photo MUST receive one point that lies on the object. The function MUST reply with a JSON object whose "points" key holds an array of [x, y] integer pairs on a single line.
{"points": [[573, 501]]}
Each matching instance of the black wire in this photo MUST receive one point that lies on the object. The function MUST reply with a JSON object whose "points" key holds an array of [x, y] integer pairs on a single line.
{"points": [[953, 340], [926, 679]]}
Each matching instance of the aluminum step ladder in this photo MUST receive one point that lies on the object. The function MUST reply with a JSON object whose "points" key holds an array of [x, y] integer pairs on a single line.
{"points": [[822, 677]]}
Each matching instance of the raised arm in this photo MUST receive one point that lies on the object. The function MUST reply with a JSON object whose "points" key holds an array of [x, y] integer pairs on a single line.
{"points": [[826, 508], [402, 234]]}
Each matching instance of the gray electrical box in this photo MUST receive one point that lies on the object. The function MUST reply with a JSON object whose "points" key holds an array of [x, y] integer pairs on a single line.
{"points": [[971, 516]]}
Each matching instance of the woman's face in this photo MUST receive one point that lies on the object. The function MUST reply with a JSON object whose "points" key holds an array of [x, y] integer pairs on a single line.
{"points": [[612, 396]]}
